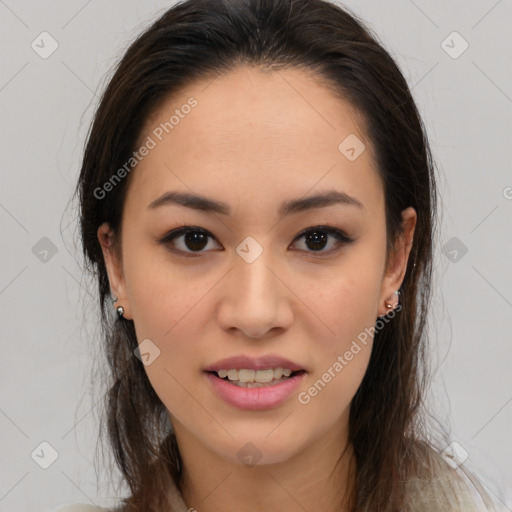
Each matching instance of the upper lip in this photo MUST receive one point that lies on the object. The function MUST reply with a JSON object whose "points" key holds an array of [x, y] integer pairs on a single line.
{"points": [[253, 363]]}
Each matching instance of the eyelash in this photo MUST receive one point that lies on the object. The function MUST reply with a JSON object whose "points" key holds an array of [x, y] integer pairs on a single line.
{"points": [[339, 235]]}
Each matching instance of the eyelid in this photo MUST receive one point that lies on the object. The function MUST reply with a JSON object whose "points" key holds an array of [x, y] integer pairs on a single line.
{"points": [[331, 230], [177, 232], [341, 237], [339, 234]]}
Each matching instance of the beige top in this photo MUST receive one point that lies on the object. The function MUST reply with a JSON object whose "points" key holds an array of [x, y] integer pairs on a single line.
{"points": [[472, 499], [78, 507], [176, 499]]}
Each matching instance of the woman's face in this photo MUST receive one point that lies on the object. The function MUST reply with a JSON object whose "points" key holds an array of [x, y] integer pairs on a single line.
{"points": [[246, 281]]}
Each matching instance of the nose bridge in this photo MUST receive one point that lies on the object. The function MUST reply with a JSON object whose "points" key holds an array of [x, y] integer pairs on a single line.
{"points": [[255, 300], [252, 271]]}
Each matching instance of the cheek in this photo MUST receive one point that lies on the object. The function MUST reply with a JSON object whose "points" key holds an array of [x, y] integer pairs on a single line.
{"points": [[346, 303], [168, 311], [347, 308], [162, 297], [341, 356]]}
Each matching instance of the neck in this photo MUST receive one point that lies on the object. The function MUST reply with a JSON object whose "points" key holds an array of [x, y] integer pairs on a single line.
{"points": [[318, 477]]}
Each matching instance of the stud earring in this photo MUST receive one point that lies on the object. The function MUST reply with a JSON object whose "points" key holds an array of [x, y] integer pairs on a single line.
{"points": [[120, 311], [391, 306], [394, 304]]}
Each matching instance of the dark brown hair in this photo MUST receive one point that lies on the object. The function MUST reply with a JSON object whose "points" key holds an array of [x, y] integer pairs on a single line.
{"points": [[199, 39]]}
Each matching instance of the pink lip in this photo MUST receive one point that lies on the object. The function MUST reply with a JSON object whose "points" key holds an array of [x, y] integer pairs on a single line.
{"points": [[266, 397], [256, 363]]}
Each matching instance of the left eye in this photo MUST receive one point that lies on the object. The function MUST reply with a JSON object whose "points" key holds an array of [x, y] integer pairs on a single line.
{"points": [[196, 239], [317, 238]]}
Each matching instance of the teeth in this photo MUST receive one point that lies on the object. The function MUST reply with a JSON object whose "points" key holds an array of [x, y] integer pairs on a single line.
{"points": [[261, 376]]}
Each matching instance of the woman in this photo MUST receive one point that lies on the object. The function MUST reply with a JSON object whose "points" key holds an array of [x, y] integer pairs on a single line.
{"points": [[258, 200]]}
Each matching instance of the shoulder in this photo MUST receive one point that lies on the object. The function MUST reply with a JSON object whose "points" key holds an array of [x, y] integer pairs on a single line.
{"points": [[441, 486], [79, 507]]}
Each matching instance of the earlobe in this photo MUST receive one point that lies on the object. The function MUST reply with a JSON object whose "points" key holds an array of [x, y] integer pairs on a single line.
{"points": [[114, 268]]}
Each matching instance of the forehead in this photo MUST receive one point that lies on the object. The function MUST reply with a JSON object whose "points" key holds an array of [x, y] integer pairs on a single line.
{"points": [[275, 132]]}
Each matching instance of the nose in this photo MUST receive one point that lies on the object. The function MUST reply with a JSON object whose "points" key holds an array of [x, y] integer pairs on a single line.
{"points": [[255, 300]]}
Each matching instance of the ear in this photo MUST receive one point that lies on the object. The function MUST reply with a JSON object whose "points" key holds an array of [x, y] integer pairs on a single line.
{"points": [[114, 266], [397, 264]]}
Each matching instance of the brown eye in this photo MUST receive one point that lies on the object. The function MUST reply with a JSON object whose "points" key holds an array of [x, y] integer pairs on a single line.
{"points": [[317, 238], [193, 240]]}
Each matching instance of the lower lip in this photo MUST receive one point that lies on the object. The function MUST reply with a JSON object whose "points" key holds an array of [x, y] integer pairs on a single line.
{"points": [[266, 397]]}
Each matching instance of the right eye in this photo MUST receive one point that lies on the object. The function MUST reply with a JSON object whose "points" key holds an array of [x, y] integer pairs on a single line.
{"points": [[193, 238]]}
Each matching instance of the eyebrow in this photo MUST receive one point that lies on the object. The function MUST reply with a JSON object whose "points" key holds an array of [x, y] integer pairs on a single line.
{"points": [[206, 204]]}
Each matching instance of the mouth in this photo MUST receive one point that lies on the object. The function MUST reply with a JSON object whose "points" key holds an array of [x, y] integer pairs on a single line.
{"points": [[246, 378], [243, 388]]}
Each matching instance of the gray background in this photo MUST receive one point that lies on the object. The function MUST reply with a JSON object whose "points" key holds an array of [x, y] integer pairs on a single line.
{"points": [[47, 346]]}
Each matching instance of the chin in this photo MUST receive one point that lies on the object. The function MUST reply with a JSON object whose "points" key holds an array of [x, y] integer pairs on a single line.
{"points": [[252, 451]]}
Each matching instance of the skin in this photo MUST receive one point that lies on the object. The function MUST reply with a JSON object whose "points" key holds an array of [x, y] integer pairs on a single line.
{"points": [[253, 141]]}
